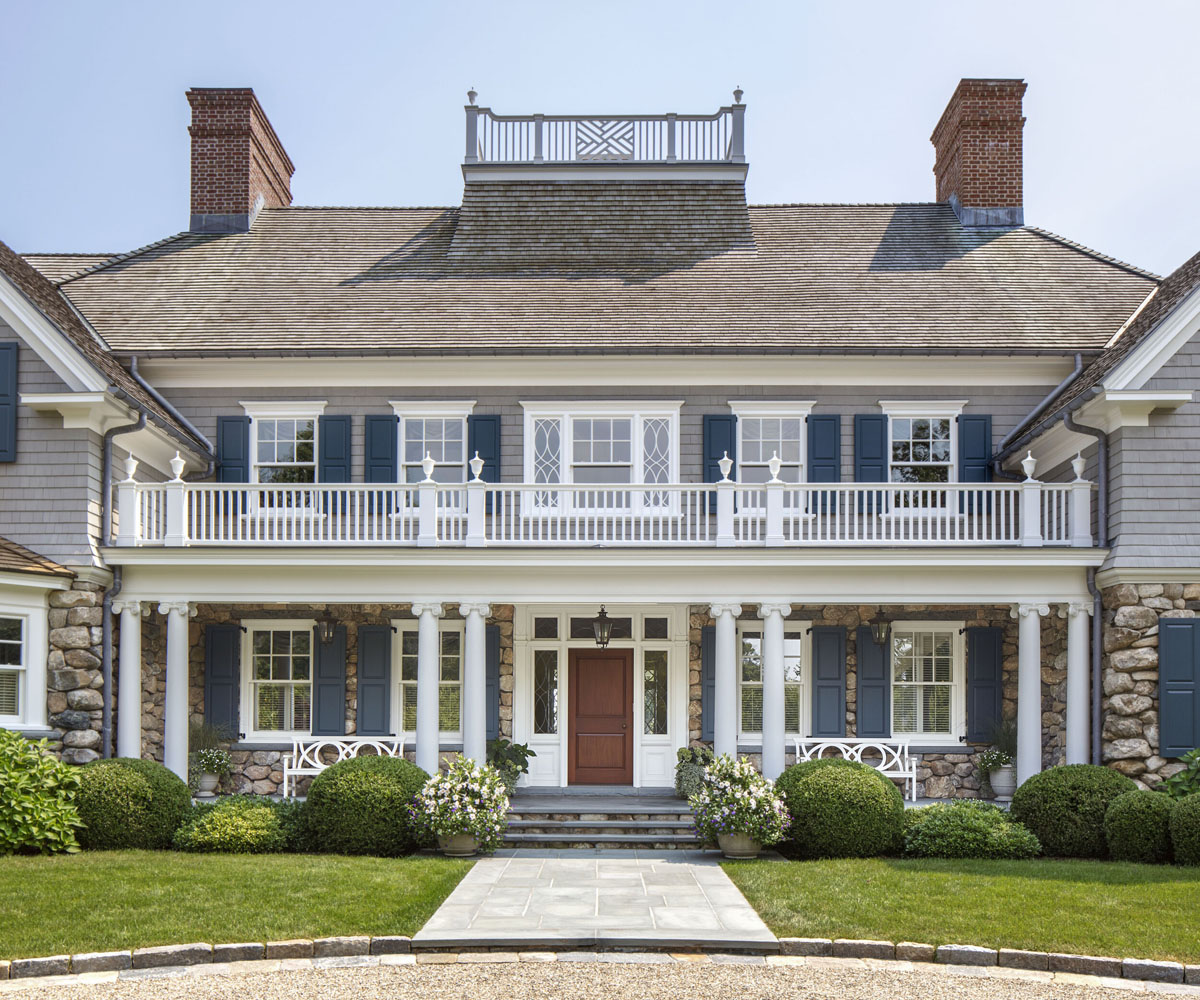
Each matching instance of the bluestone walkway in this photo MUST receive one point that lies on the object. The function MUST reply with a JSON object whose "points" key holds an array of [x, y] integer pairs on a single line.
{"points": [[560, 899]]}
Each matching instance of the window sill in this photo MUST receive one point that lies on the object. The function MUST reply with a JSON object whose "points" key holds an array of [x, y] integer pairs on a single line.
{"points": [[29, 731]]}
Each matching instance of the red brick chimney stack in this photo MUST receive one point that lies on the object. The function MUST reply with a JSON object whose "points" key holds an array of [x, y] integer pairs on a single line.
{"points": [[978, 148], [238, 163]]}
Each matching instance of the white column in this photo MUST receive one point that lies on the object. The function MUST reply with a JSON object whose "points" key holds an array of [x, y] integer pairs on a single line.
{"points": [[725, 715], [1079, 712], [1029, 688], [428, 661], [474, 705], [175, 720], [129, 679], [772, 718]]}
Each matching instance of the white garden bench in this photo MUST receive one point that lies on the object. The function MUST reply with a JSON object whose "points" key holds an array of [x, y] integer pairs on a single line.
{"points": [[894, 760], [307, 758]]}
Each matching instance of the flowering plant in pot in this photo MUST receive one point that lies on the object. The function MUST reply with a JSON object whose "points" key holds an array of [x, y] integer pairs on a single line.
{"points": [[465, 808], [738, 809], [997, 761]]}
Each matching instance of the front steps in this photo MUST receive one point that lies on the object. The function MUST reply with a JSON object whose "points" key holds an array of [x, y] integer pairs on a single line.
{"points": [[631, 821]]}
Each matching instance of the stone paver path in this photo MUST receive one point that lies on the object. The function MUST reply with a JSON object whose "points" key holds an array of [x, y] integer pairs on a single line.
{"points": [[582, 898]]}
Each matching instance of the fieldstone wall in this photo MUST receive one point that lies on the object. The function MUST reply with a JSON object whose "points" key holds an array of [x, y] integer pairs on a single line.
{"points": [[73, 671], [940, 775], [1130, 705]]}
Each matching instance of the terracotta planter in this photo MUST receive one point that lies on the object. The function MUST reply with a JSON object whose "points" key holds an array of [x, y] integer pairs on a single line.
{"points": [[206, 785], [738, 845], [458, 845], [1003, 781]]}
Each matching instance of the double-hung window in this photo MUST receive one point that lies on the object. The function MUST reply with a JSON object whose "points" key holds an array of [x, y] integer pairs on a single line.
{"points": [[450, 667], [279, 685], [766, 430], [438, 429], [750, 680], [283, 451], [928, 699], [922, 450], [13, 680]]}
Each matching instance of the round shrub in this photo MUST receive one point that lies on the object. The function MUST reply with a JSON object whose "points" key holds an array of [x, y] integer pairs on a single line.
{"points": [[126, 802], [360, 806], [967, 828], [1064, 808], [1185, 830], [841, 809], [239, 824], [1137, 827], [37, 813]]}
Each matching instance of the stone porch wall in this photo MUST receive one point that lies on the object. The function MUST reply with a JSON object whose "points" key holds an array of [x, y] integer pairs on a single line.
{"points": [[74, 680]]}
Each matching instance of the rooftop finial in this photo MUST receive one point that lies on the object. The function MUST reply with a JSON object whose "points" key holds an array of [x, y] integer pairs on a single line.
{"points": [[737, 94], [471, 95]]}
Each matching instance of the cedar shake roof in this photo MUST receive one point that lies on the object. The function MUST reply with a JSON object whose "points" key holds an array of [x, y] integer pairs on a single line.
{"points": [[57, 266], [46, 298], [616, 267], [16, 558]]}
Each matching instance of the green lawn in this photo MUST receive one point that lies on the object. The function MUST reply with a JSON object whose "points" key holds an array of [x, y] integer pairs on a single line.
{"points": [[101, 900], [1080, 907]]}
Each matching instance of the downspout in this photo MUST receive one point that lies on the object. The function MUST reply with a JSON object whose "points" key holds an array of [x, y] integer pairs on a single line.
{"points": [[178, 417], [1097, 603], [997, 471], [118, 579]]}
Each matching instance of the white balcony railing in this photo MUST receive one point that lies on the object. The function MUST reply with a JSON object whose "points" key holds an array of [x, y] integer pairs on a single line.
{"points": [[1030, 513]]}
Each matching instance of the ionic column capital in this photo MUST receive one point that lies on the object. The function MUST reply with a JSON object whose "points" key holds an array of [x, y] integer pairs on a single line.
{"points": [[718, 609], [1025, 610], [136, 607], [185, 608], [476, 608], [765, 610], [430, 608], [1076, 608]]}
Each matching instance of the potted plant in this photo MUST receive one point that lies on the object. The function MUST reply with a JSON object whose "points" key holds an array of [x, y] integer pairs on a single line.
{"points": [[511, 760], [738, 808], [212, 763], [997, 761], [465, 808], [690, 764]]}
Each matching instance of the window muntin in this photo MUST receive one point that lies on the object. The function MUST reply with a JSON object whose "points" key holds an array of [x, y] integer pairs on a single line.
{"points": [[762, 437], [602, 449], [921, 449], [750, 696], [285, 450], [926, 667], [281, 678], [450, 668], [443, 439], [12, 667], [654, 692], [545, 692]]}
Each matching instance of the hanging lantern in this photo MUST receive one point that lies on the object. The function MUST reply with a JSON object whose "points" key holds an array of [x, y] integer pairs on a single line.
{"points": [[602, 625], [326, 628], [880, 628]]}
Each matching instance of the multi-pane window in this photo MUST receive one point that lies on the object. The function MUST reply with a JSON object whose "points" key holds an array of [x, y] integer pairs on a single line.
{"points": [[921, 449], [923, 680], [602, 449], [545, 692], [762, 437], [751, 693], [449, 680], [285, 450], [12, 666], [654, 692], [281, 679], [443, 439]]}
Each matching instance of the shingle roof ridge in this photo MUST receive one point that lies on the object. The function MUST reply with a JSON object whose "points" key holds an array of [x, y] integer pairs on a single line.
{"points": [[1115, 261], [104, 259], [364, 208], [121, 257], [66, 253], [847, 204]]}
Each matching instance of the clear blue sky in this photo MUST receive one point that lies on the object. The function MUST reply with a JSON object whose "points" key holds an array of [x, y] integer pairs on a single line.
{"points": [[367, 98]]}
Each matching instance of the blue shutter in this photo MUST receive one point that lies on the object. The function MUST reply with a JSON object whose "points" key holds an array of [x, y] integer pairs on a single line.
{"points": [[874, 686], [483, 436], [1178, 685], [233, 449], [985, 682], [8, 401], [974, 458], [708, 679], [222, 676], [825, 452], [374, 680], [379, 447], [871, 457], [333, 448], [492, 681], [720, 436], [828, 681], [329, 684]]}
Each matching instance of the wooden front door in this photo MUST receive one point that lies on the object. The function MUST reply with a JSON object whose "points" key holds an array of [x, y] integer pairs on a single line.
{"points": [[600, 717]]}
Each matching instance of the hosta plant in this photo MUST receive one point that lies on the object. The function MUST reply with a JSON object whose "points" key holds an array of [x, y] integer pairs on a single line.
{"points": [[735, 798], [1187, 781], [465, 799], [37, 792]]}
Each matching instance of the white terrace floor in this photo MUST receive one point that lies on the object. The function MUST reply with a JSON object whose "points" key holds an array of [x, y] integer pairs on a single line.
{"points": [[597, 898]]}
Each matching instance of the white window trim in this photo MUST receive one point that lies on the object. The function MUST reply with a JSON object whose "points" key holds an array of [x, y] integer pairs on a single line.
{"points": [[246, 708], [909, 408], [805, 630], [958, 688], [31, 686], [434, 409], [752, 500], [283, 410], [402, 625]]}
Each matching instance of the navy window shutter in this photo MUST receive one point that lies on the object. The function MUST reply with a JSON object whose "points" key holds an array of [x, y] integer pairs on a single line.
{"points": [[974, 448], [825, 452], [492, 681], [379, 447], [874, 686], [329, 684], [1179, 685], [828, 681], [222, 677], [708, 679], [720, 437], [483, 436], [374, 680], [871, 457], [985, 682], [333, 448], [9, 354], [233, 449]]}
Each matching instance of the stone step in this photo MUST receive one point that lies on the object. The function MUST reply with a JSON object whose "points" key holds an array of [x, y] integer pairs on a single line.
{"points": [[612, 839], [601, 824]]}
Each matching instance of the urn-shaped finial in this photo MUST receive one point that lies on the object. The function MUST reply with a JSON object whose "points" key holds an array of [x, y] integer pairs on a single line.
{"points": [[725, 464], [1078, 463], [1029, 465], [775, 464], [177, 467], [476, 465]]}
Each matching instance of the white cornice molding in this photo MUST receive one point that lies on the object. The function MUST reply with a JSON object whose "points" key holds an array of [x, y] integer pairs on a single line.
{"points": [[282, 408], [588, 407], [1134, 574], [432, 407], [922, 407], [33, 581], [1171, 334], [772, 408], [45, 339]]}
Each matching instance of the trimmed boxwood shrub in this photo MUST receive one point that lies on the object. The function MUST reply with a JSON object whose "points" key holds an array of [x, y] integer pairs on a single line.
{"points": [[1137, 827], [360, 806], [125, 802], [37, 813], [841, 809], [967, 828], [240, 824], [1185, 830], [1064, 807]]}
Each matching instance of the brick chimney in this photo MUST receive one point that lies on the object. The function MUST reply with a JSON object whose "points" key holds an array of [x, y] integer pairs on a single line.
{"points": [[238, 163], [978, 153]]}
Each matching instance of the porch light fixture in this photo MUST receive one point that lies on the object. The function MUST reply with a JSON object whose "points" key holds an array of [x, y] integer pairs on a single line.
{"points": [[880, 629], [326, 627], [602, 625]]}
